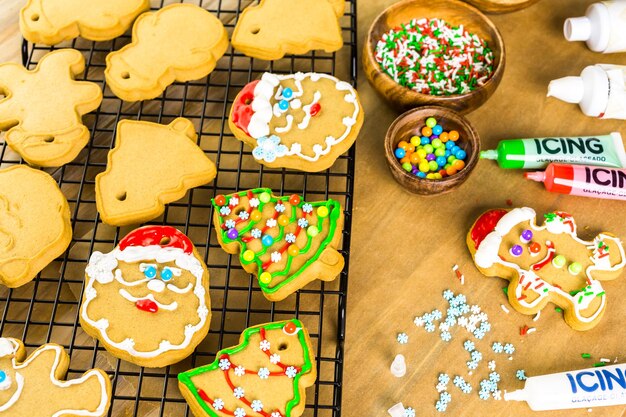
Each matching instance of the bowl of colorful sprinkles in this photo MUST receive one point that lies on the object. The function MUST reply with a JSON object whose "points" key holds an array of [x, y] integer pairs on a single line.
{"points": [[434, 52], [431, 150]]}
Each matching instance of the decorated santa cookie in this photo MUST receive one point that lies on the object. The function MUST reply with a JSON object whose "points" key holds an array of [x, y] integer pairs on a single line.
{"points": [[299, 121], [147, 301], [35, 388], [265, 375], [547, 263]]}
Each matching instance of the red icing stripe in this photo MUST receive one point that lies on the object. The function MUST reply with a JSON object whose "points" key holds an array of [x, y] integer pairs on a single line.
{"points": [[165, 236], [485, 225]]}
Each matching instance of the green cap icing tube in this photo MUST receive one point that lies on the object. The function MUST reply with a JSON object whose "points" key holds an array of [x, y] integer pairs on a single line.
{"points": [[606, 150]]}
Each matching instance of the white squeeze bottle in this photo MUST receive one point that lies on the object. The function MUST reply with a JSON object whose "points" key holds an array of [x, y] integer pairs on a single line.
{"points": [[603, 27], [600, 91]]}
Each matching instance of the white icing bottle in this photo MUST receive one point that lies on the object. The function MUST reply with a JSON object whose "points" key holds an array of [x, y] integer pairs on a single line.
{"points": [[600, 91], [586, 388], [603, 27]]}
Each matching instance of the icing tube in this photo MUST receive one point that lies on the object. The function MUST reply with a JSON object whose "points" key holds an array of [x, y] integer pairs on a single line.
{"points": [[594, 387], [603, 27], [583, 180], [605, 150]]}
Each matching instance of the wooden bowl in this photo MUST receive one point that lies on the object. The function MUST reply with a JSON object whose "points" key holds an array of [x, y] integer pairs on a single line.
{"points": [[455, 12], [410, 124], [501, 6]]}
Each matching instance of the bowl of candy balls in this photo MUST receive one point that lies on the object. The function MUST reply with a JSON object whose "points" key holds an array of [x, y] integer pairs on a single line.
{"points": [[434, 52], [431, 150]]}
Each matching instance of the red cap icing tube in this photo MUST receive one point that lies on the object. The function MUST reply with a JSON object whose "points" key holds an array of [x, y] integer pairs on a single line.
{"points": [[583, 180]]}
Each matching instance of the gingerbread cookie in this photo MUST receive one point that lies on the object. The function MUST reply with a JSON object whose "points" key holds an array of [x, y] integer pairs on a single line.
{"points": [[147, 301], [150, 166], [265, 375], [43, 108], [275, 28], [34, 387], [548, 263], [286, 241], [54, 21], [35, 224], [180, 42], [299, 121]]}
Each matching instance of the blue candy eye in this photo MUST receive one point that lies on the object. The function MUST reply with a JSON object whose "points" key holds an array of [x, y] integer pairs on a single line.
{"points": [[283, 105], [150, 272], [3, 376], [287, 93], [166, 274]]}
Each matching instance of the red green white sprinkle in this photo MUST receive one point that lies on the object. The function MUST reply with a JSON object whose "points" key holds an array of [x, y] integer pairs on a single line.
{"points": [[434, 57]]}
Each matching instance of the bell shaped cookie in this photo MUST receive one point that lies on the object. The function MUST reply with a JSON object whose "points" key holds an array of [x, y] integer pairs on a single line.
{"points": [[180, 42], [150, 166], [43, 108]]}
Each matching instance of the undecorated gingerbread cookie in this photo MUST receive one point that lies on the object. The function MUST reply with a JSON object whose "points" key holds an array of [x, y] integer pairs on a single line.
{"points": [[35, 223], [150, 166], [34, 386], [275, 28], [547, 263], [266, 375], [180, 42], [147, 301], [43, 108], [286, 241], [54, 21], [299, 121]]}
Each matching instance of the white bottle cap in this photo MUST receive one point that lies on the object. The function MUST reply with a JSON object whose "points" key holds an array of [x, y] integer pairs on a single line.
{"points": [[397, 410], [577, 29], [398, 367], [568, 89]]}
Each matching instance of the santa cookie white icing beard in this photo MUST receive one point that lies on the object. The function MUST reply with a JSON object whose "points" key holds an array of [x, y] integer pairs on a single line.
{"points": [[147, 300]]}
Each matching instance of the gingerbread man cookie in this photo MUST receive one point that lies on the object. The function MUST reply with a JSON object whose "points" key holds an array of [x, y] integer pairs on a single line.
{"points": [[35, 224], [43, 108], [180, 42], [34, 387], [147, 301], [299, 121], [54, 21], [548, 263], [265, 375], [135, 187], [275, 28], [286, 241]]}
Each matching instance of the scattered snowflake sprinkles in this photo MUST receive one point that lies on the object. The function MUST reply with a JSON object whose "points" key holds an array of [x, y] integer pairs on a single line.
{"points": [[434, 57], [403, 338]]}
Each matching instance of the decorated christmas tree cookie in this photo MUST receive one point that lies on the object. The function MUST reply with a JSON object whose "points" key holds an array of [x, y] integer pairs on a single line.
{"points": [[264, 376], [547, 263], [286, 241]]}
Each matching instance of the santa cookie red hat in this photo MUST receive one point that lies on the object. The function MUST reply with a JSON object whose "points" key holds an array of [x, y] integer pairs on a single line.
{"points": [[163, 236]]}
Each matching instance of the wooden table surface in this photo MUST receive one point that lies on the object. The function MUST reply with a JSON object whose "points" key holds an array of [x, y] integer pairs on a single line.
{"points": [[404, 246]]}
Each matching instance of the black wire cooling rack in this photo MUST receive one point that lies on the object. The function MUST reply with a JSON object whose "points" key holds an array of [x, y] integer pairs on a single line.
{"points": [[46, 310]]}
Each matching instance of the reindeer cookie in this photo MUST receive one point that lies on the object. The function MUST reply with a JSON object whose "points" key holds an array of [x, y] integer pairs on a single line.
{"points": [[180, 42], [547, 263], [265, 375], [299, 121], [43, 108], [54, 21], [286, 241], [34, 387], [275, 28], [147, 301], [35, 224], [150, 166]]}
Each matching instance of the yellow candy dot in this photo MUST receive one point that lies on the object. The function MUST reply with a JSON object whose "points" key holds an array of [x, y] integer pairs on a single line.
{"points": [[256, 215], [264, 197], [248, 256], [293, 250], [265, 278], [283, 220], [322, 211], [312, 231]]}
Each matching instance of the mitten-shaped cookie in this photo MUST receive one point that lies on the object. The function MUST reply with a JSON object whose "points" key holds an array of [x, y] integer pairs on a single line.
{"points": [[35, 386], [180, 42], [275, 28], [264, 376], [54, 21], [286, 241], [43, 108], [150, 166], [547, 263], [35, 223]]}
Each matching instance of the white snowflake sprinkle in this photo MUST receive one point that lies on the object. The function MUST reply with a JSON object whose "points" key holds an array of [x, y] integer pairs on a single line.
{"points": [[290, 238], [256, 233], [280, 207], [234, 200], [230, 223], [418, 321], [254, 202], [240, 412], [240, 371], [244, 215], [238, 392], [256, 406], [265, 345], [225, 210], [403, 338], [291, 372], [275, 358], [307, 208], [276, 257], [218, 404], [271, 223], [264, 373], [224, 364], [303, 223]]}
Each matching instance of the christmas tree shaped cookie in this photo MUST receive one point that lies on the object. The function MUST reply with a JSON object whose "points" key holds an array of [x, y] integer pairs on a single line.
{"points": [[34, 387], [150, 166], [264, 376], [286, 241], [547, 263]]}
